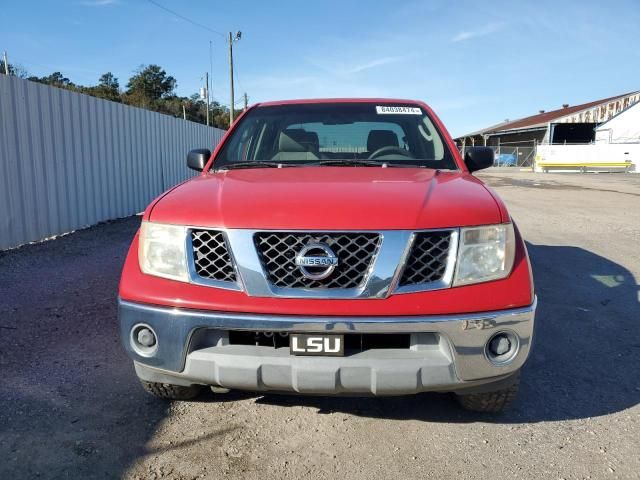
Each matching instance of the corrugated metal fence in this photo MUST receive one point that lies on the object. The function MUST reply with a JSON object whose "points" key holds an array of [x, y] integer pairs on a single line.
{"points": [[69, 160]]}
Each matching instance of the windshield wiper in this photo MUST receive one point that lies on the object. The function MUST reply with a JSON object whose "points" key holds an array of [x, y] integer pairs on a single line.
{"points": [[347, 162], [232, 166], [364, 163]]}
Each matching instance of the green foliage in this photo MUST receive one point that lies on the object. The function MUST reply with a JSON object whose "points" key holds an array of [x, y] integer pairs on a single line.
{"points": [[149, 84], [56, 79], [150, 87], [107, 88], [15, 70]]}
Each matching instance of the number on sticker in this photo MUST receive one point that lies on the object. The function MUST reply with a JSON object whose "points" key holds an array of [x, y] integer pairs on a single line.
{"points": [[398, 110]]}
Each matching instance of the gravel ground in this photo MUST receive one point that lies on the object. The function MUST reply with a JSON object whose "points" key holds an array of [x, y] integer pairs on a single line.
{"points": [[70, 405]]}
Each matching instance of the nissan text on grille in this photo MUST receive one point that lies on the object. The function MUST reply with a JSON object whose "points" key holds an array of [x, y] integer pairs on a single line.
{"points": [[331, 247]]}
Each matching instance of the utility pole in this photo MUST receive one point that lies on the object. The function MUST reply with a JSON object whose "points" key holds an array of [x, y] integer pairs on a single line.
{"points": [[6, 64], [184, 112], [246, 101], [231, 77], [231, 40], [206, 76]]}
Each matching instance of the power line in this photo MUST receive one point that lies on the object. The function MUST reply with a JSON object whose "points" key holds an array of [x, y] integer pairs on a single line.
{"points": [[231, 40], [193, 22]]}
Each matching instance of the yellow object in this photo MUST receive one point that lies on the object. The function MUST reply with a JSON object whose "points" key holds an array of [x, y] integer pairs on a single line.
{"points": [[599, 164]]}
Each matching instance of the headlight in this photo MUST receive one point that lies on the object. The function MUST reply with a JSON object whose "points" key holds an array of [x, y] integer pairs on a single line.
{"points": [[485, 253], [162, 251]]}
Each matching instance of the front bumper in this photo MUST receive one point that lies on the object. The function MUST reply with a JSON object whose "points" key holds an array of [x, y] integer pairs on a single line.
{"points": [[447, 353]]}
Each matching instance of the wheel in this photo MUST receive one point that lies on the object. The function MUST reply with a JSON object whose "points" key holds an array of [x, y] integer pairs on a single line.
{"points": [[169, 391], [487, 402]]}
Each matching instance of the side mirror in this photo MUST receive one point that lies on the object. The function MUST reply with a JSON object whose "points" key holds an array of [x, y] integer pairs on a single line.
{"points": [[477, 158], [198, 158]]}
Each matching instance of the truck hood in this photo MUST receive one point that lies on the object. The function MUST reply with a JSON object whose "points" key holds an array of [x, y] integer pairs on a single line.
{"points": [[330, 198]]}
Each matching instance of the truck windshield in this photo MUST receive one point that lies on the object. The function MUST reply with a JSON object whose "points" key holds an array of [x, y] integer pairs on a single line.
{"points": [[352, 134]]}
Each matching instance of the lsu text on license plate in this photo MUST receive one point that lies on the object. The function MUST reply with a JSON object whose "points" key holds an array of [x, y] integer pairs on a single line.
{"points": [[310, 344]]}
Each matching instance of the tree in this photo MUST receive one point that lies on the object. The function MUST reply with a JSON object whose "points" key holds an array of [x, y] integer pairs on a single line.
{"points": [[15, 70], [108, 88], [149, 84], [109, 82], [56, 79], [150, 87], [221, 116]]}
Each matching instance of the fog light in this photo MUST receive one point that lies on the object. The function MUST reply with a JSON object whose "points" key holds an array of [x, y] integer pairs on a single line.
{"points": [[146, 338], [499, 345], [502, 348]]}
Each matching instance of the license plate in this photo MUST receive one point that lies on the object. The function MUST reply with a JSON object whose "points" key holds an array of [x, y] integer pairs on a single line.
{"points": [[321, 345]]}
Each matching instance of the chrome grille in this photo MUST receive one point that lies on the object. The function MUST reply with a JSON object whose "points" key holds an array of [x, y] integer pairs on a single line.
{"points": [[211, 256], [427, 260], [355, 252]]}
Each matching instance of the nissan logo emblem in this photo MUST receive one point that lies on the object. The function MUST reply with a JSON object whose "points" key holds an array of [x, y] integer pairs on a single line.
{"points": [[316, 261]]}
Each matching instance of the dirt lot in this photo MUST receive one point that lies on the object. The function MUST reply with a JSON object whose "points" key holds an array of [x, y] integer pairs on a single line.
{"points": [[70, 405]]}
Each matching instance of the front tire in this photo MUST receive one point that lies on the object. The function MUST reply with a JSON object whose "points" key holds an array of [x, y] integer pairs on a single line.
{"points": [[168, 391], [490, 402]]}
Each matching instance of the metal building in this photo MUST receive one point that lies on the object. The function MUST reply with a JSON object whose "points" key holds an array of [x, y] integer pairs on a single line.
{"points": [[515, 140]]}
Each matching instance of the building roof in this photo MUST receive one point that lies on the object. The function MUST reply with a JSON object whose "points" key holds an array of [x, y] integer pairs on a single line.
{"points": [[605, 125], [492, 128], [621, 128], [542, 119]]}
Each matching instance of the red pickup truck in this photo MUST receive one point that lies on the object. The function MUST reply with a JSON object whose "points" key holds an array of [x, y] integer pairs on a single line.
{"points": [[331, 247]]}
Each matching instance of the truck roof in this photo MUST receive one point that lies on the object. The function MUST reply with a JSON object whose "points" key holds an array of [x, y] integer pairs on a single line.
{"points": [[338, 100]]}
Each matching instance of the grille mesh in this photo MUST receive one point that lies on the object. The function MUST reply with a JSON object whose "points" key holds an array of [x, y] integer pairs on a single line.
{"points": [[428, 258], [211, 256], [355, 252]]}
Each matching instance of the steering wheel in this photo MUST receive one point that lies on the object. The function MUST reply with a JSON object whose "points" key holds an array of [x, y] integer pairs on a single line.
{"points": [[390, 149]]}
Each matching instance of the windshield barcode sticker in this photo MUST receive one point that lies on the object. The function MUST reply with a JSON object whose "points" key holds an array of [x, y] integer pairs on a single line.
{"points": [[399, 110]]}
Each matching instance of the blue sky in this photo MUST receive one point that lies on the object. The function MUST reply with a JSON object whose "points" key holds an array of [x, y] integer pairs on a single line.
{"points": [[476, 63]]}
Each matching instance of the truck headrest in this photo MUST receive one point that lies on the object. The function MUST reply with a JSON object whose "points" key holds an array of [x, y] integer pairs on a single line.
{"points": [[381, 138]]}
